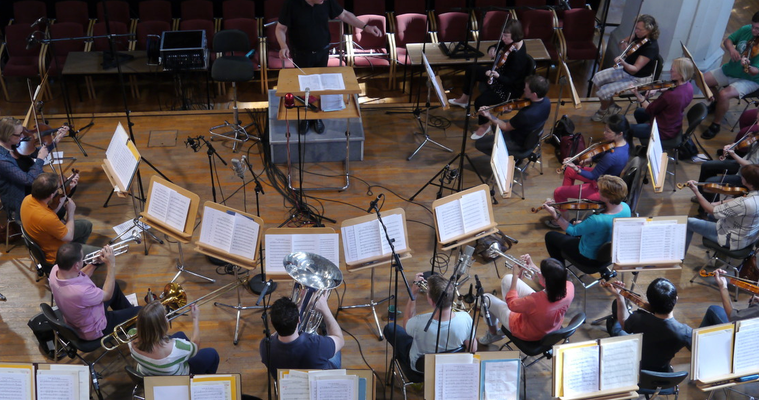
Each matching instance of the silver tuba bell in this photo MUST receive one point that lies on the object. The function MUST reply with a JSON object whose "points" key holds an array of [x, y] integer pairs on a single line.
{"points": [[494, 251], [314, 276]]}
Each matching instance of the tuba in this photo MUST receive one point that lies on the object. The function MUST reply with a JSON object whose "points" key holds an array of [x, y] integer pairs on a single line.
{"points": [[315, 276]]}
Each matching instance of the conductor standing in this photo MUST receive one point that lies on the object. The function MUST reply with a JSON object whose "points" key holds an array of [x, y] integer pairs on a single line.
{"points": [[307, 23]]}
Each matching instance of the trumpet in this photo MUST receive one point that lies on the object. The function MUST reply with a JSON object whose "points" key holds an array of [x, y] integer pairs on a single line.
{"points": [[118, 248], [175, 299], [527, 272], [459, 302]]}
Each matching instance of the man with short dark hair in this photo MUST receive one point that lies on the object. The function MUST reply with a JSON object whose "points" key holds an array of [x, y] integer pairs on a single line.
{"points": [[85, 306], [291, 349], [412, 342], [663, 335], [41, 223]]}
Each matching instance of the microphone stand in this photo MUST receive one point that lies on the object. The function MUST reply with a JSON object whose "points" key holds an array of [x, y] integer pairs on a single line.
{"points": [[258, 283], [267, 344], [439, 303]]}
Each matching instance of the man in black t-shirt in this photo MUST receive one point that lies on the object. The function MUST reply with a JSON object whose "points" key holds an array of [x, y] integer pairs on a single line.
{"points": [[306, 22], [516, 131], [663, 335]]}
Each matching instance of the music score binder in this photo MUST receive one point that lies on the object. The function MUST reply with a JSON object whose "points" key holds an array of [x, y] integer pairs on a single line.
{"points": [[657, 159], [364, 241], [463, 217], [170, 193], [650, 243], [30, 381], [502, 165], [220, 226], [121, 161], [182, 387], [605, 368], [473, 373], [722, 353], [363, 378], [279, 242]]}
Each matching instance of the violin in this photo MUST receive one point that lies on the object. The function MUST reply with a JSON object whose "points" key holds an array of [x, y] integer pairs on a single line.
{"points": [[717, 188], [649, 86], [630, 295], [573, 206], [744, 143], [752, 49], [742, 283], [508, 106], [588, 154], [65, 191], [31, 140], [632, 48], [500, 61]]}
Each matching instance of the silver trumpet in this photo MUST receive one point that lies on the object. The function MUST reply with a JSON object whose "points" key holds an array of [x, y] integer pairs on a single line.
{"points": [[458, 303], [118, 248], [495, 250]]}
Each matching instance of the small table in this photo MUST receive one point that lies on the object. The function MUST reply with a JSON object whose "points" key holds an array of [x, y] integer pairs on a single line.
{"points": [[90, 63]]}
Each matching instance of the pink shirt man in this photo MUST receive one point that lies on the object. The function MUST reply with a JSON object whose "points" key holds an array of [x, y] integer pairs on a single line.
{"points": [[81, 303]]}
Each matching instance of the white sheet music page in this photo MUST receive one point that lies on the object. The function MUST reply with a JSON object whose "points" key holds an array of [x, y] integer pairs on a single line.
{"points": [[293, 388], [581, 370], [277, 247], [362, 241], [499, 162], [335, 388], [82, 370], [500, 379], [655, 152], [179, 207], [396, 231], [626, 240], [210, 390], [15, 383], [58, 385], [449, 220], [119, 154], [159, 201], [217, 228], [456, 381], [715, 354], [244, 237], [171, 392], [619, 364], [474, 210], [332, 81], [745, 360], [312, 82]]}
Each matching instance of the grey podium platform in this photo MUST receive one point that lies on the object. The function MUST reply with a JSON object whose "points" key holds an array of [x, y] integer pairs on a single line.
{"points": [[328, 146]]}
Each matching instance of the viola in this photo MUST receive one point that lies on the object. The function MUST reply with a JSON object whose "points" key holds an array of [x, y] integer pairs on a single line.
{"points": [[742, 283], [589, 153], [500, 61], [752, 49], [577, 205], [630, 295], [65, 191], [632, 48], [31, 140], [508, 106], [649, 86], [718, 188]]}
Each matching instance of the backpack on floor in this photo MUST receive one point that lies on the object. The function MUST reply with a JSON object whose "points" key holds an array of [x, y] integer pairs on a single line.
{"points": [[570, 146], [43, 331]]}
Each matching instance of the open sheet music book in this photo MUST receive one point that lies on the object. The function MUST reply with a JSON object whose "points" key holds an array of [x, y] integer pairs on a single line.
{"points": [[479, 376], [726, 351], [197, 387], [335, 384], [278, 247], [466, 214], [17, 381], [367, 239], [123, 158], [597, 368], [501, 164], [229, 231], [168, 206], [321, 82], [642, 240]]}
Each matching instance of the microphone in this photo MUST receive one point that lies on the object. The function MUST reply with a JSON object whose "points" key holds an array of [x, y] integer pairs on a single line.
{"points": [[41, 20], [237, 167], [469, 297], [265, 290], [373, 203], [485, 307], [289, 100], [310, 106], [308, 97], [465, 260], [31, 40]]}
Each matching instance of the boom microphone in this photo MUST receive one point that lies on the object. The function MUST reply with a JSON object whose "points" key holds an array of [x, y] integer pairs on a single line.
{"points": [[373, 203]]}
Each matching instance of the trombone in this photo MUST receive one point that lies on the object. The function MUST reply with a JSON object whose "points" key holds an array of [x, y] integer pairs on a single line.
{"points": [[118, 248], [173, 297]]}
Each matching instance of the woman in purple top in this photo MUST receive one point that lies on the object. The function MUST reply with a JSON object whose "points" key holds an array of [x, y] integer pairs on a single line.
{"points": [[668, 108]]}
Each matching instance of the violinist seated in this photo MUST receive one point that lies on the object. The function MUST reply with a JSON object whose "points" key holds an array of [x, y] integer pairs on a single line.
{"points": [[582, 240], [38, 216], [716, 315], [527, 314], [739, 76], [528, 120], [608, 162], [668, 108], [511, 67], [17, 170], [635, 66], [737, 219], [730, 162], [663, 335]]}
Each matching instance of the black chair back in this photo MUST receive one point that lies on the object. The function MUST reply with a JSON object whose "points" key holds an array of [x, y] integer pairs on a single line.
{"points": [[562, 334], [632, 174], [658, 382], [659, 67], [36, 254], [66, 332], [695, 116], [420, 360], [231, 40]]}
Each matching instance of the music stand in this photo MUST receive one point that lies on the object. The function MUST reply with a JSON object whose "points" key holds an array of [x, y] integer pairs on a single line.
{"points": [[437, 83], [230, 255], [159, 185]]}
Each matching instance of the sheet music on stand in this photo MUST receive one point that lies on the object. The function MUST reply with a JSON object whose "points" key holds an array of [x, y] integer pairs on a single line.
{"points": [[364, 239], [121, 160], [723, 354], [437, 84], [658, 241], [502, 165], [334, 384], [657, 159], [18, 381], [280, 242], [183, 387], [478, 376], [321, 82], [229, 234], [171, 209], [464, 216]]}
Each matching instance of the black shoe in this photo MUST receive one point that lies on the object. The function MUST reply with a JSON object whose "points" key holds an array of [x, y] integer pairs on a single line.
{"points": [[302, 127], [711, 132], [318, 126]]}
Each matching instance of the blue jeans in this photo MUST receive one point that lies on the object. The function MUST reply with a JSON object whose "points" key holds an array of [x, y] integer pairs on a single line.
{"points": [[401, 342], [707, 229], [715, 315], [640, 130], [206, 361]]}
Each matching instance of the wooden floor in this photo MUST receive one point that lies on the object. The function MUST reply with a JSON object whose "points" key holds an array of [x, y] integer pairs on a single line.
{"points": [[390, 139]]}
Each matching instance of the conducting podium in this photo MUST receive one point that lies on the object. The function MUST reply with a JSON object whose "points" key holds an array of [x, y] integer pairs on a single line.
{"points": [[341, 85]]}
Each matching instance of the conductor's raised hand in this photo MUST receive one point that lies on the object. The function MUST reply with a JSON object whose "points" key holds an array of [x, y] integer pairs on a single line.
{"points": [[284, 54]]}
